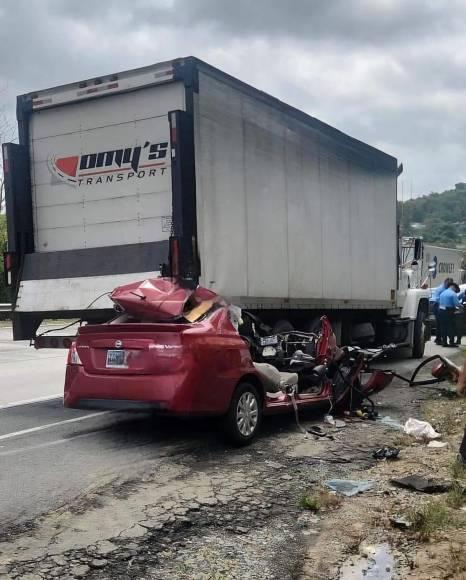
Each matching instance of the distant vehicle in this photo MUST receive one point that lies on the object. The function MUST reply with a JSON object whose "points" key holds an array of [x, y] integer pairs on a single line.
{"points": [[181, 164], [444, 263]]}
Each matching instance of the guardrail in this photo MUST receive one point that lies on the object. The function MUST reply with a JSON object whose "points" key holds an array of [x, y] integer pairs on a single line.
{"points": [[5, 307]]}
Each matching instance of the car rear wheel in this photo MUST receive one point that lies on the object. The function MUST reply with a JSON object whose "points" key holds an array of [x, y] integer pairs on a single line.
{"points": [[244, 415]]}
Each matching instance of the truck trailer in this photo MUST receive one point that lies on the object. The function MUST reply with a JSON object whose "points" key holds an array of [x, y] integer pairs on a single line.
{"points": [[181, 164]]}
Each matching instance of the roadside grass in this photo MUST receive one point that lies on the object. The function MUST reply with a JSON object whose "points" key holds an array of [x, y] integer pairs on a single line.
{"points": [[457, 558], [445, 416], [321, 499], [429, 519], [403, 440], [456, 497], [457, 470]]}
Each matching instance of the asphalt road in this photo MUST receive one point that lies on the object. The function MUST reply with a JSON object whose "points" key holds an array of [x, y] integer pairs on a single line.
{"points": [[50, 455], [27, 374]]}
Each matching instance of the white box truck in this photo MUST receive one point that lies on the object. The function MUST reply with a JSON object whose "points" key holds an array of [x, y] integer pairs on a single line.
{"points": [[283, 214]]}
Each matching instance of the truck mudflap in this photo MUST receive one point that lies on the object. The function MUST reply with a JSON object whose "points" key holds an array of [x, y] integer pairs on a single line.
{"points": [[44, 341]]}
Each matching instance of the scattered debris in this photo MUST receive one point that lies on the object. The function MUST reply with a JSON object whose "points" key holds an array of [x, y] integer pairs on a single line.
{"points": [[349, 487], [367, 413], [420, 483], [317, 431], [386, 453], [329, 420], [421, 430], [401, 522], [437, 444]]}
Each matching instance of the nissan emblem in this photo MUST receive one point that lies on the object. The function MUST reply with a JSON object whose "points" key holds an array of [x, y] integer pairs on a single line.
{"points": [[118, 344]]}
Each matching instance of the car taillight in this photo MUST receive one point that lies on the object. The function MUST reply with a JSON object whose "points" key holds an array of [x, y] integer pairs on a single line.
{"points": [[73, 356]]}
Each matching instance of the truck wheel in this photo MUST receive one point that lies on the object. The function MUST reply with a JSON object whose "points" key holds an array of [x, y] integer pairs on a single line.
{"points": [[419, 335], [282, 326], [244, 415]]}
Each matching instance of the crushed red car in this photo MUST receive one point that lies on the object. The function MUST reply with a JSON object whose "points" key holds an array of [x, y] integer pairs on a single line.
{"points": [[188, 352]]}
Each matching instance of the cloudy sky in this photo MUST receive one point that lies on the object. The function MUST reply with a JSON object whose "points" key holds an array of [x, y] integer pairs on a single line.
{"points": [[389, 72]]}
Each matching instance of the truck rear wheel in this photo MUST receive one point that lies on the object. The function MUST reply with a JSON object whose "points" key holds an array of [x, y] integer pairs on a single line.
{"points": [[244, 415], [419, 335]]}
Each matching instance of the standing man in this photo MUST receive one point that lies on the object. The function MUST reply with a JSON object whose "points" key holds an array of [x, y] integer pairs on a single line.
{"points": [[461, 390], [448, 305], [460, 315], [435, 298]]}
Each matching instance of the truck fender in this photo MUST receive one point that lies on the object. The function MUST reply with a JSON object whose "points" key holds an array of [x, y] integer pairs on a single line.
{"points": [[415, 299]]}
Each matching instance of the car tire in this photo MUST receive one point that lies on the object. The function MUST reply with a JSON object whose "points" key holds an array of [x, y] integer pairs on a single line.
{"points": [[419, 336], [244, 416]]}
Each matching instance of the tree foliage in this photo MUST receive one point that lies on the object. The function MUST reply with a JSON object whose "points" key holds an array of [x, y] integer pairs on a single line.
{"points": [[4, 297], [442, 215]]}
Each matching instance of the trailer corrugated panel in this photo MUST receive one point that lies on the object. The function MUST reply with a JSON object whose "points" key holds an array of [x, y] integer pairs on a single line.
{"points": [[287, 211], [83, 195]]}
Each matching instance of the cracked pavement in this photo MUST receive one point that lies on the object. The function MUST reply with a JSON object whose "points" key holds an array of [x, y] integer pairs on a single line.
{"points": [[165, 499]]}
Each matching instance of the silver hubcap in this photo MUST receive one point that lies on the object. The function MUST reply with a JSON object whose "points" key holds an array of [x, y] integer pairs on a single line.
{"points": [[247, 414]]}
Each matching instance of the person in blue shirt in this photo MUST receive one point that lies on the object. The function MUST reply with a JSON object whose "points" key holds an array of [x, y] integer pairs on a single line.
{"points": [[434, 299], [447, 306], [460, 314]]}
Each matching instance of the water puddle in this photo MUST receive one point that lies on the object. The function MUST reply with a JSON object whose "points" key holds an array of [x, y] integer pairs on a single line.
{"points": [[378, 565]]}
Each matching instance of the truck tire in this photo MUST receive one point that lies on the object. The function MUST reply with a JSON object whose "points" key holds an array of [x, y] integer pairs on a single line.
{"points": [[419, 335], [282, 326], [244, 416]]}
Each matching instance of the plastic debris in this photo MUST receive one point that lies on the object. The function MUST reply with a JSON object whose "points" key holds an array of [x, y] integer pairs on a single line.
{"points": [[329, 420], [319, 432], [420, 483], [386, 453], [391, 423], [401, 522], [421, 430], [350, 487], [437, 444]]}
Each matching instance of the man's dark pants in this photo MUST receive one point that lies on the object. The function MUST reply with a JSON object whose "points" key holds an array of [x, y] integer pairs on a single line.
{"points": [[447, 325], [438, 329], [463, 447]]}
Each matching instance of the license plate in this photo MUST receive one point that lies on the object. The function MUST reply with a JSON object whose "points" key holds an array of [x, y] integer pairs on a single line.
{"points": [[269, 340], [116, 359]]}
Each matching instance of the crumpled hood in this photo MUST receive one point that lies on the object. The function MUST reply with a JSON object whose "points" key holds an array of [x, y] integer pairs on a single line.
{"points": [[159, 299]]}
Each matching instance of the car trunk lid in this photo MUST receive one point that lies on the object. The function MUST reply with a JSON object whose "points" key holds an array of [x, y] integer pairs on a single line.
{"points": [[131, 348]]}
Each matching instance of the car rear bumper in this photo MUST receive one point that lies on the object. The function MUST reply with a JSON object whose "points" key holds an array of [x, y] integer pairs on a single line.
{"points": [[178, 394], [117, 405]]}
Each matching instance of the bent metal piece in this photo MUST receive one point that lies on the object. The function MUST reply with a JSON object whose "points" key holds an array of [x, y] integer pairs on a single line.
{"points": [[444, 370]]}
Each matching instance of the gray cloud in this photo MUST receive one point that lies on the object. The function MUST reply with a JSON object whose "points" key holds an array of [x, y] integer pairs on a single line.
{"points": [[389, 72]]}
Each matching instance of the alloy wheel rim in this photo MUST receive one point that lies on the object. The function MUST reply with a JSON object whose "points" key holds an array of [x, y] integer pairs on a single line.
{"points": [[247, 414]]}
